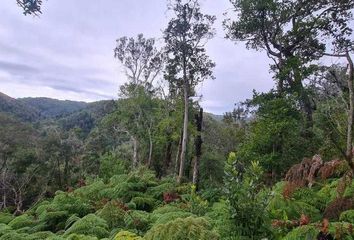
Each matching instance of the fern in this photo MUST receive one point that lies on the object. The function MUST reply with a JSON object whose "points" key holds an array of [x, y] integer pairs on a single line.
{"points": [[112, 214], [125, 235], [190, 228], [40, 235], [304, 232], [138, 220], [221, 220], [71, 220], [89, 225], [4, 229], [347, 216], [22, 221], [14, 236], [144, 203], [6, 217]]}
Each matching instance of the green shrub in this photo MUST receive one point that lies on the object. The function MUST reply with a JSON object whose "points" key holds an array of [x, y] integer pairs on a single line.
{"points": [[4, 229], [220, 218], [112, 214], [53, 220], [190, 228], [304, 232], [92, 192], [158, 191], [144, 203], [80, 237], [14, 236], [138, 220], [125, 235], [71, 203], [347, 216], [22, 221], [287, 209], [341, 230], [40, 235], [89, 225], [6, 217]]}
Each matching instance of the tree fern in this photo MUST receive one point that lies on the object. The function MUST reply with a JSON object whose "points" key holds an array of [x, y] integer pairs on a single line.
{"points": [[89, 225], [125, 235], [191, 228]]}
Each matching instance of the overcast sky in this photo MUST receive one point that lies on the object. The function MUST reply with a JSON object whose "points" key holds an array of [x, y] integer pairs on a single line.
{"points": [[67, 53]]}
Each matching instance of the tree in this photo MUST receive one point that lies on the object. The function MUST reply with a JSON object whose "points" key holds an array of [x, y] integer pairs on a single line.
{"points": [[142, 63], [30, 6], [290, 32], [187, 64]]}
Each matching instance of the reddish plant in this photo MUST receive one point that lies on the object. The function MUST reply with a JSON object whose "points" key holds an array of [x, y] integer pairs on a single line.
{"points": [[304, 173], [329, 168], [289, 190], [335, 208], [170, 197], [304, 220]]}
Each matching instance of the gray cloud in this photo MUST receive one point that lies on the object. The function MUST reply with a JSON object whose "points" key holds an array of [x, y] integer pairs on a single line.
{"points": [[69, 49], [17, 68]]}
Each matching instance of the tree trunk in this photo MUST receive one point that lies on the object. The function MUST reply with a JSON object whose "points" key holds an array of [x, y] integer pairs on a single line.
{"points": [[150, 147], [186, 118], [168, 156], [198, 148], [349, 152], [135, 152], [184, 135], [178, 154]]}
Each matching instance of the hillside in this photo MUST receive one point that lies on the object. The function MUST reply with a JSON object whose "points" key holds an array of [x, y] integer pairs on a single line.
{"points": [[18, 109], [53, 108]]}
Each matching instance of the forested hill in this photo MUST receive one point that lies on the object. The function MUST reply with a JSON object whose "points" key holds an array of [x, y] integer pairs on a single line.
{"points": [[18, 109], [32, 110], [52, 108]]}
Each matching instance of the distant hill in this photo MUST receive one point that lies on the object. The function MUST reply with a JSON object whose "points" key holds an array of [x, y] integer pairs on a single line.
{"points": [[215, 117], [89, 117], [18, 109], [53, 108]]}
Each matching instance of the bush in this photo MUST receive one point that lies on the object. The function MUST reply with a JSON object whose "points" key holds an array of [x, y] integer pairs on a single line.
{"points": [[6, 217], [138, 220], [304, 232], [14, 236], [190, 228], [113, 214], [89, 225], [144, 203], [4, 229], [220, 218], [40, 236], [347, 216], [22, 221], [125, 235]]}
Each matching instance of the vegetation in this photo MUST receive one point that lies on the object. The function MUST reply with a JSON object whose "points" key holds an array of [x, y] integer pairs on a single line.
{"points": [[152, 165]]}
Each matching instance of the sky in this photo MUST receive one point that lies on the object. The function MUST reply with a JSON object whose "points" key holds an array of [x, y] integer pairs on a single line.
{"points": [[67, 52]]}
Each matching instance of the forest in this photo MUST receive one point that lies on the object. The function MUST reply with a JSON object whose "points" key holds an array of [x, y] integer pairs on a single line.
{"points": [[154, 165]]}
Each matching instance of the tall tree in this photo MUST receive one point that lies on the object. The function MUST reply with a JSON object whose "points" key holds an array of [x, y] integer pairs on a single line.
{"points": [[290, 32], [143, 63], [187, 65]]}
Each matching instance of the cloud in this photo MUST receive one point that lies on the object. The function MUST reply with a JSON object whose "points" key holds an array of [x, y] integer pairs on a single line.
{"points": [[67, 53]]}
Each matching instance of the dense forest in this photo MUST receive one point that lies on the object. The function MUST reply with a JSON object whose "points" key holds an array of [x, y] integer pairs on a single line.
{"points": [[154, 165]]}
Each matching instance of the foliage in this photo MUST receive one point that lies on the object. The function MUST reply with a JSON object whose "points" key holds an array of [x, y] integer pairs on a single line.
{"points": [[347, 216], [303, 232], [125, 235], [182, 228], [247, 202], [89, 225], [6, 217], [22, 221]]}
